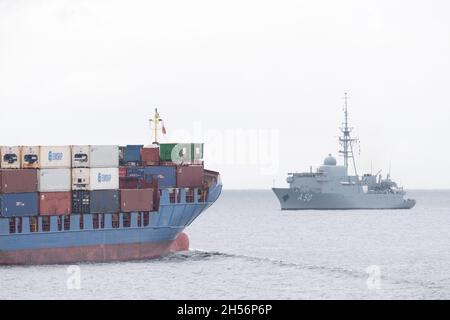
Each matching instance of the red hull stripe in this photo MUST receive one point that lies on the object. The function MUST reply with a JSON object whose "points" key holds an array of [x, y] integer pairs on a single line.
{"points": [[98, 253]]}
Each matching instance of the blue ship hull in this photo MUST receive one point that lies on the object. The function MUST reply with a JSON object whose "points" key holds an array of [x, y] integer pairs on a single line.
{"points": [[136, 240]]}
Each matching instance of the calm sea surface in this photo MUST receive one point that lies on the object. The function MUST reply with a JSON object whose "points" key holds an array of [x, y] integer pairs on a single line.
{"points": [[244, 247]]}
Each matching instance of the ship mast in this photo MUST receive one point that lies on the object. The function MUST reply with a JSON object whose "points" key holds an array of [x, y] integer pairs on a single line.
{"points": [[156, 120], [346, 141]]}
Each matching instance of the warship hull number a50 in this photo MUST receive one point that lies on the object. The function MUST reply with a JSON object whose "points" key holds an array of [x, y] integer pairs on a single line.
{"points": [[332, 188]]}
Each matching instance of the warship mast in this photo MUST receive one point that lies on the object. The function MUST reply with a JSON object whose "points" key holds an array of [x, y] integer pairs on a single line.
{"points": [[346, 141]]}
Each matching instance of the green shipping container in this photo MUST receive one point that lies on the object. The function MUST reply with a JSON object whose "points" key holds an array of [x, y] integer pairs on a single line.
{"points": [[176, 152]]}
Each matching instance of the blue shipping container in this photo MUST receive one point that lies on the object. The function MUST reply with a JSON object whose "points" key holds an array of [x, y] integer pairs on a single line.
{"points": [[19, 204], [167, 175], [132, 153]]}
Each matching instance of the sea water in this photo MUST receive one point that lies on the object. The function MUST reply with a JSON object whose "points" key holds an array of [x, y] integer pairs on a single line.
{"points": [[245, 247]]}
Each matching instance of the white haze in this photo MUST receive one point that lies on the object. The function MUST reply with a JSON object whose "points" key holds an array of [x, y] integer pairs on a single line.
{"points": [[91, 72]]}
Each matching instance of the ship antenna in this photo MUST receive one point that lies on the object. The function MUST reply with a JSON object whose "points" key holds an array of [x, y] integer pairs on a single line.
{"points": [[389, 174], [346, 140]]}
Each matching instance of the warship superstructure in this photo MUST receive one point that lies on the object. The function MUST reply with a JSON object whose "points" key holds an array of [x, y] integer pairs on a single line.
{"points": [[331, 187]]}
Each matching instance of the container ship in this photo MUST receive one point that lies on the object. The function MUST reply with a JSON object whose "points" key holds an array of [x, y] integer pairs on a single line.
{"points": [[100, 203]]}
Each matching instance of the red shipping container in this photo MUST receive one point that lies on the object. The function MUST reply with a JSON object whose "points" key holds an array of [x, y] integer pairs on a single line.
{"points": [[18, 180], [150, 156], [135, 200], [55, 203], [122, 171], [133, 183], [128, 182], [190, 176]]}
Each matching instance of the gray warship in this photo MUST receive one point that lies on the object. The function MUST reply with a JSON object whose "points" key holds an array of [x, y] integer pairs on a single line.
{"points": [[330, 187]]}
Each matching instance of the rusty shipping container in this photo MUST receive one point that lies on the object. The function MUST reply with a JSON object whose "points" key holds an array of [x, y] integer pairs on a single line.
{"points": [[135, 200], [150, 156], [29, 156], [134, 183], [190, 176], [55, 203], [18, 181], [128, 182], [10, 157]]}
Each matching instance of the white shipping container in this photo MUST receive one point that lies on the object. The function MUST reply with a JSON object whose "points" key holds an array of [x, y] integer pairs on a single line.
{"points": [[80, 157], [95, 156], [54, 180], [29, 157], [103, 179], [10, 157], [104, 156], [52, 157], [80, 178]]}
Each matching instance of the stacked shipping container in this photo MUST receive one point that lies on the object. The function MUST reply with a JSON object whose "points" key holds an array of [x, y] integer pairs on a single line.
{"points": [[95, 179], [18, 187], [18, 192], [136, 193], [54, 179], [59, 180]]}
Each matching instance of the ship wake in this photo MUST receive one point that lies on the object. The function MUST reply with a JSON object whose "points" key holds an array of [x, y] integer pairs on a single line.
{"points": [[202, 255]]}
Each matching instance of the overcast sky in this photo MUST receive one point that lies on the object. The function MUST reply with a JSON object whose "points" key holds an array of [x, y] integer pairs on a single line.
{"points": [[261, 82]]}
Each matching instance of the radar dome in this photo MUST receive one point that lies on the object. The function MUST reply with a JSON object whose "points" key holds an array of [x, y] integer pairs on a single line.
{"points": [[330, 160]]}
